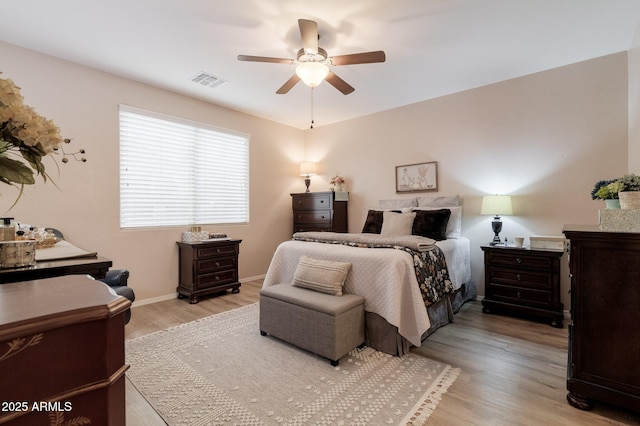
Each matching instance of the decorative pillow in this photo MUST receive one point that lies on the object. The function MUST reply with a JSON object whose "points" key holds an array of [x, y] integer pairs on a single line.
{"points": [[431, 223], [398, 204], [397, 223], [454, 226], [373, 223], [325, 276], [441, 201]]}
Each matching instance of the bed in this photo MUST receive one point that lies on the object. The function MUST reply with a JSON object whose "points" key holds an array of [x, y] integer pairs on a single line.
{"points": [[383, 270]]}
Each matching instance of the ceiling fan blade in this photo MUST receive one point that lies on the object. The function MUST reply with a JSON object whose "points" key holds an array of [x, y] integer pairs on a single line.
{"points": [[264, 59], [309, 35], [339, 83], [288, 85], [359, 58]]}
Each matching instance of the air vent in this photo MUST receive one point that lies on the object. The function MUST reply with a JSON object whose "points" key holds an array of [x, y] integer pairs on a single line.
{"points": [[208, 80]]}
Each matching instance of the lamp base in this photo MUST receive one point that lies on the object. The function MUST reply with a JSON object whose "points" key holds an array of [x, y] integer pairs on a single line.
{"points": [[307, 182], [496, 227]]}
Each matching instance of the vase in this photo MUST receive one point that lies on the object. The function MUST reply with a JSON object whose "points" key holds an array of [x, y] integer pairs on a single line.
{"points": [[339, 186], [629, 200], [612, 204]]}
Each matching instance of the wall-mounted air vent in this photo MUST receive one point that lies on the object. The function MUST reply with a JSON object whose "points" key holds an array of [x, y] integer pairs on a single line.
{"points": [[208, 80]]}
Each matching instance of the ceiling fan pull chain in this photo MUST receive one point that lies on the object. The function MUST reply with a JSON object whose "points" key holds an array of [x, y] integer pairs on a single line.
{"points": [[311, 108]]}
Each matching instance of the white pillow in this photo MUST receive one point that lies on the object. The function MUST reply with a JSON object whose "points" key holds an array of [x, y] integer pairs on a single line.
{"points": [[398, 203], [454, 226], [441, 201], [325, 276], [397, 223]]}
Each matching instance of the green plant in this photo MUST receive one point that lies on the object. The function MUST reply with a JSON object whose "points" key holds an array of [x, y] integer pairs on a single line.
{"points": [[609, 189], [630, 182]]}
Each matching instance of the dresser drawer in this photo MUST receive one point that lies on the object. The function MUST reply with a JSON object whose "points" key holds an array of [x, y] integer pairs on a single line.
{"points": [[521, 261], [521, 278], [315, 202], [313, 217], [216, 264], [216, 279], [202, 252], [521, 296], [310, 227]]}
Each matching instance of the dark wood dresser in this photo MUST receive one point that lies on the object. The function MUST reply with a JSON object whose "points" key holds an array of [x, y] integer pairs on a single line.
{"points": [[604, 341], [523, 281], [62, 355], [208, 267], [319, 211]]}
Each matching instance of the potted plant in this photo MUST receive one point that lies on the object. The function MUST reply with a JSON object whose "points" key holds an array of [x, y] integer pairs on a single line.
{"points": [[629, 195], [607, 190], [618, 193]]}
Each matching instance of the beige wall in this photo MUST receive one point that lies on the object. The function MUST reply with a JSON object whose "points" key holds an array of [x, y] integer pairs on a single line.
{"points": [[545, 139], [84, 104]]}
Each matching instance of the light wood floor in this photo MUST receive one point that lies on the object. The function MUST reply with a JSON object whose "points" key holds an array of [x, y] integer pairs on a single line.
{"points": [[513, 370]]}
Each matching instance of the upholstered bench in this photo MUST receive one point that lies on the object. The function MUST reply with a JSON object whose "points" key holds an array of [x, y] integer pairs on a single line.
{"points": [[327, 325]]}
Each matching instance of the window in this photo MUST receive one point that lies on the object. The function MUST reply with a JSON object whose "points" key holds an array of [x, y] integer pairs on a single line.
{"points": [[175, 172]]}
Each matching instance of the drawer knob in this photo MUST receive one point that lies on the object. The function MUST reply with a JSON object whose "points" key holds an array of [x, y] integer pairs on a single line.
{"points": [[519, 277], [519, 295], [321, 201], [218, 250], [322, 217], [518, 260], [218, 279], [217, 263]]}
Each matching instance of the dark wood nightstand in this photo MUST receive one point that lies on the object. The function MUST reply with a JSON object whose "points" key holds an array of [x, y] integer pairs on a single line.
{"points": [[208, 267], [523, 281], [318, 211]]}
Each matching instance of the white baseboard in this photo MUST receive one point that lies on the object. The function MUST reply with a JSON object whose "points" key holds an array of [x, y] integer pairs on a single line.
{"points": [[174, 295]]}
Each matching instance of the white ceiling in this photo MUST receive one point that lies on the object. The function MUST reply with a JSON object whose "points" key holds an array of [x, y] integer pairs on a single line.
{"points": [[433, 47]]}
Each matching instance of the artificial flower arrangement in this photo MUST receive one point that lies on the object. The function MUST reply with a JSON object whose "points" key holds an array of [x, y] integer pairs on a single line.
{"points": [[609, 189], [25, 138], [337, 179]]}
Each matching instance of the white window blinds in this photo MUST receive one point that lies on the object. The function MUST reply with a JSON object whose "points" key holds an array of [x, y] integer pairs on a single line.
{"points": [[174, 172]]}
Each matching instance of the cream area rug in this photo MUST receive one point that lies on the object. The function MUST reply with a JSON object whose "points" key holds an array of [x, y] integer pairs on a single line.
{"points": [[219, 370]]}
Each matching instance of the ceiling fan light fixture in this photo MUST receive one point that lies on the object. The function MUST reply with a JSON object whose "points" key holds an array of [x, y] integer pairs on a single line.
{"points": [[312, 73]]}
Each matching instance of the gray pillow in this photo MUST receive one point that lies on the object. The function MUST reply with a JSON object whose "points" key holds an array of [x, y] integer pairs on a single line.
{"points": [[325, 276]]}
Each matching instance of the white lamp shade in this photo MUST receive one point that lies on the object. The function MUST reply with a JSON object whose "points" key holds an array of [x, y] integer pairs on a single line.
{"points": [[312, 73], [307, 169], [496, 205]]}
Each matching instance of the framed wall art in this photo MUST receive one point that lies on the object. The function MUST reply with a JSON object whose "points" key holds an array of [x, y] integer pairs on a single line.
{"points": [[421, 177]]}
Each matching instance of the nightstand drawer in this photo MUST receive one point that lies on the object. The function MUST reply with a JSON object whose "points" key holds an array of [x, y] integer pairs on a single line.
{"points": [[202, 252], [216, 264], [519, 260], [521, 278], [521, 296], [216, 279], [315, 202]]}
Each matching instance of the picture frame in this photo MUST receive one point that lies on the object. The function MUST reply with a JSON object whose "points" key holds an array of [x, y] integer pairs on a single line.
{"points": [[419, 177]]}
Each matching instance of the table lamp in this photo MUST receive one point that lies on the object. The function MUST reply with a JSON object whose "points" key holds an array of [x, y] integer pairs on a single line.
{"points": [[496, 205], [307, 170]]}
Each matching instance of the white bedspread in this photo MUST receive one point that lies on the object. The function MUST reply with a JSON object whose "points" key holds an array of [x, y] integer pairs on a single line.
{"points": [[384, 277]]}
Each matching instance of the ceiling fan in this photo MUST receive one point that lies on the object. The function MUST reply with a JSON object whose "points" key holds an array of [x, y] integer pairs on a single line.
{"points": [[313, 61]]}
